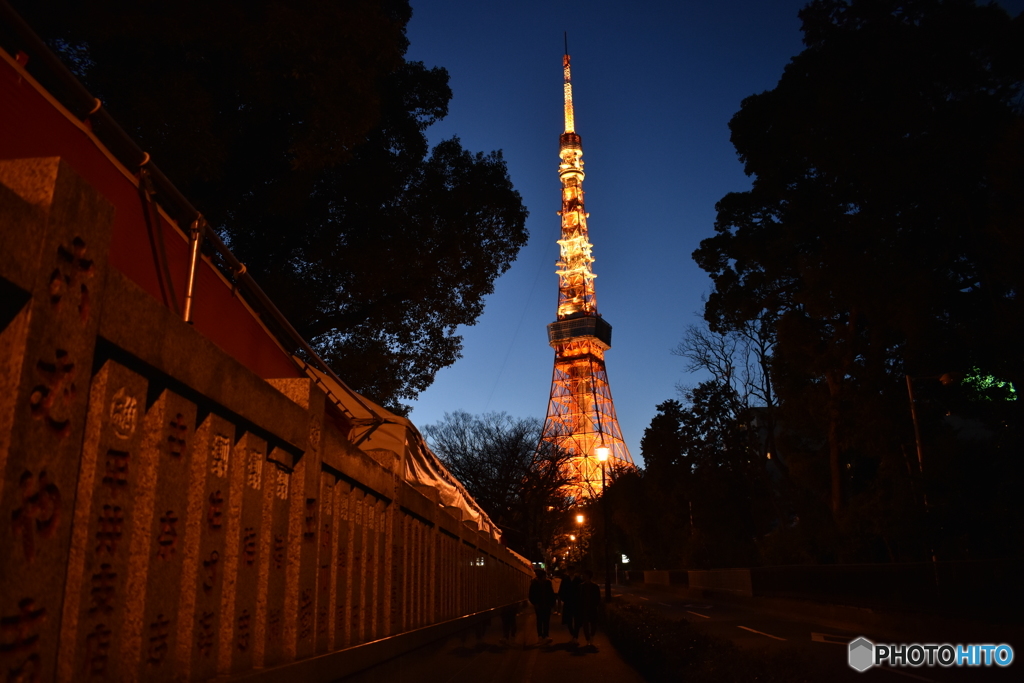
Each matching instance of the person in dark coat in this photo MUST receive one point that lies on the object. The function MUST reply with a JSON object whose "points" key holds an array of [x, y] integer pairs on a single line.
{"points": [[588, 607], [508, 622], [569, 594], [542, 597]]}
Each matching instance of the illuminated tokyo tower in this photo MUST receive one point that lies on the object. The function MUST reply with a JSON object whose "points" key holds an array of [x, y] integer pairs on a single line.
{"points": [[581, 416]]}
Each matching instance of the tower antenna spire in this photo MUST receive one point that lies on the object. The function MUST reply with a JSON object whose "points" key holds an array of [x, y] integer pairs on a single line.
{"points": [[570, 118], [581, 416]]}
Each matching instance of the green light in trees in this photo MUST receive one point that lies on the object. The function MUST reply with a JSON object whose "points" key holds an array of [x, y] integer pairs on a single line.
{"points": [[988, 387]]}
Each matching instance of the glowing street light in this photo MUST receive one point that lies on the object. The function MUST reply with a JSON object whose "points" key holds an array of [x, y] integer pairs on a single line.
{"points": [[579, 520], [602, 453]]}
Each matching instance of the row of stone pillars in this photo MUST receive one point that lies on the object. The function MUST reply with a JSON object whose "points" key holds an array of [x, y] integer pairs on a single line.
{"points": [[164, 513]]}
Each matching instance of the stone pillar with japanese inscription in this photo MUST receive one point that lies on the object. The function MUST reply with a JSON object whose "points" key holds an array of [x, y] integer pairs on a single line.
{"points": [[241, 629], [312, 481], [456, 566], [342, 623], [456, 569], [416, 586], [433, 574], [409, 584], [358, 544], [160, 548], [370, 567], [325, 583], [380, 568], [404, 569], [398, 569], [463, 573], [453, 568], [53, 251], [449, 576], [100, 613], [305, 524], [200, 621], [442, 574], [387, 594], [276, 511], [196, 444], [423, 589], [446, 575]]}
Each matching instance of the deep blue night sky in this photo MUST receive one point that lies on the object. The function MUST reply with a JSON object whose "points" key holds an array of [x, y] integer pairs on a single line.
{"points": [[654, 86]]}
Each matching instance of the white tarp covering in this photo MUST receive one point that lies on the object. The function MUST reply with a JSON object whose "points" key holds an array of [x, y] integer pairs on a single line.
{"points": [[378, 429]]}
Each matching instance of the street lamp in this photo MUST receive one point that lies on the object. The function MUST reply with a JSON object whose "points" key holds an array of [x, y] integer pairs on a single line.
{"points": [[579, 551], [946, 379], [602, 452]]}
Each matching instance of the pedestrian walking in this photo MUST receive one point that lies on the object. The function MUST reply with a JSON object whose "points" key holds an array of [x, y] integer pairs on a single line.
{"points": [[509, 615], [569, 593], [589, 606], [556, 583], [542, 597]]}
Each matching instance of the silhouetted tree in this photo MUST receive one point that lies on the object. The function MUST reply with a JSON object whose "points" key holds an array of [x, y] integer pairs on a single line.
{"points": [[653, 509], [703, 498], [663, 443], [518, 483], [298, 129], [739, 356], [883, 229]]}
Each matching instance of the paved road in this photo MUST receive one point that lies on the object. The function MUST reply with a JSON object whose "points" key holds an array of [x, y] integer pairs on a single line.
{"points": [[824, 643], [482, 657]]}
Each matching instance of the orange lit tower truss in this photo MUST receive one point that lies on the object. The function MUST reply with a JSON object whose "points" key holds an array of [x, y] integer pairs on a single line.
{"points": [[581, 415]]}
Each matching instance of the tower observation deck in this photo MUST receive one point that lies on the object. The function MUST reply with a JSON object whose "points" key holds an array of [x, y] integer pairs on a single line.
{"points": [[581, 415]]}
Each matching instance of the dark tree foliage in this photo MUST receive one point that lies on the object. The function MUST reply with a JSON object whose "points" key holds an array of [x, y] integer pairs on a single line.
{"points": [[703, 497], [518, 484], [297, 128], [649, 509], [663, 444], [728, 486], [884, 232]]}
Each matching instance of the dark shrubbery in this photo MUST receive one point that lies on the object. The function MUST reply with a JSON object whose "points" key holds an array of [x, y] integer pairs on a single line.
{"points": [[664, 649]]}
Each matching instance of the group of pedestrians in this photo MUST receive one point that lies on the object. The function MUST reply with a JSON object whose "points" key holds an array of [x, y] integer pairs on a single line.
{"points": [[580, 600]]}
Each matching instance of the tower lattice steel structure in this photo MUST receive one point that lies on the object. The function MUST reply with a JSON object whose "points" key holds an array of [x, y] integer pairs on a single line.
{"points": [[581, 415]]}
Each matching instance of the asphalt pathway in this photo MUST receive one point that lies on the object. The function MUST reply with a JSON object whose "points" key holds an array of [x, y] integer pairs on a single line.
{"points": [[483, 657]]}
